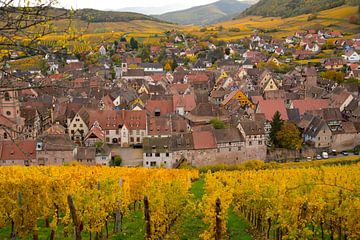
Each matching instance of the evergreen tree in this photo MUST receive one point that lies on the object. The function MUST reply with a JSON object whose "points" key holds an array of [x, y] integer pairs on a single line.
{"points": [[133, 43], [174, 64], [276, 125]]}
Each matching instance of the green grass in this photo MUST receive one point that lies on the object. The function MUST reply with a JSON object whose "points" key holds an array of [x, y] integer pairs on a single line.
{"points": [[133, 227], [237, 226], [198, 188]]}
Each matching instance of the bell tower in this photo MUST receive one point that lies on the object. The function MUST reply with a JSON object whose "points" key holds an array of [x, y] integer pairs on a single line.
{"points": [[10, 105]]}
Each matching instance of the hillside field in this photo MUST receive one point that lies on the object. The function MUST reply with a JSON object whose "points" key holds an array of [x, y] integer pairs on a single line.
{"points": [[336, 19]]}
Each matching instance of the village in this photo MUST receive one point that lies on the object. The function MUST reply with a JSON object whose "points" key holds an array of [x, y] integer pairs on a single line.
{"points": [[185, 100]]}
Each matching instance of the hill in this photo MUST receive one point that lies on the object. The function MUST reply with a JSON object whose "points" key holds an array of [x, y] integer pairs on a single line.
{"points": [[289, 8], [206, 14], [93, 15], [336, 19]]}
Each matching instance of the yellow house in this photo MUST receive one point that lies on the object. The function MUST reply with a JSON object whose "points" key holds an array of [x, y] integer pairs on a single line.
{"points": [[240, 96], [137, 104]]}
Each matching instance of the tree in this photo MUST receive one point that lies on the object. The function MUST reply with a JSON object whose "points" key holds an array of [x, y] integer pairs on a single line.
{"points": [[289, 136], [116, 161], [144, 53], [217, 123], [134, 44], [276, 125], [174, 64], [167, 67]]}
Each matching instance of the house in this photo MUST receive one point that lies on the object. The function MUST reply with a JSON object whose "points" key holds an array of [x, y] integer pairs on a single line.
{"points": [[18, 153], [346, 138], [152, 67], [166, 126], [351, 56], [204, 112], [255, 138], [309, 104], [313, 47], [54, 149], [270, 107], [183, 104], [239, 96], [122, 127], [318, 134], [102, 50]]}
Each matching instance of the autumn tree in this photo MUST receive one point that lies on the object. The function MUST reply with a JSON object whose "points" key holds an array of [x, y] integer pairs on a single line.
{"points": [[289, 136], [167, 67], [276, 125]]}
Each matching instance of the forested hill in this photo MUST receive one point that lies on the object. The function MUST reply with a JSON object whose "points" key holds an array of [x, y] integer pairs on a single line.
{"points": [[289, 8], [92, 15]]}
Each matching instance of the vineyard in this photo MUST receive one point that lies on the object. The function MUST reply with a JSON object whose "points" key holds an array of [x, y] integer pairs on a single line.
{"points": [[78, 202]]}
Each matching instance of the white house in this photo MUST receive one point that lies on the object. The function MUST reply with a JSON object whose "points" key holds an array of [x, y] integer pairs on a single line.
{"points": [[351, 56]]}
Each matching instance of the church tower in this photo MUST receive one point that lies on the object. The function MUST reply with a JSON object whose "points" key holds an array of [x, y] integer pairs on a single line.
{"points": [[10, 105]]}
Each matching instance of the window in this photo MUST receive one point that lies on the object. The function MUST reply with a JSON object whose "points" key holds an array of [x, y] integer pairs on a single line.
{"points": [[132, 139], [149, 154], [5, 136], [147, 163], [153, 164], [107, 132], [250, 143], [137, 139], [8, 113], [72, 131], [157, 154], [229, 149], [239, 148], [74, 125], [107, 139], [167, 154], [260, 142], [7, 96], [81, 125]]}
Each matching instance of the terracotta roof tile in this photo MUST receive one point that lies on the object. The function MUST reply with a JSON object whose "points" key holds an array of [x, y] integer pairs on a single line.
{"points": [[204, 140]]}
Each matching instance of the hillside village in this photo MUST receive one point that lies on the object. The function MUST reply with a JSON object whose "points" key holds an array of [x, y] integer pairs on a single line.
{"points": [[184, 100]]}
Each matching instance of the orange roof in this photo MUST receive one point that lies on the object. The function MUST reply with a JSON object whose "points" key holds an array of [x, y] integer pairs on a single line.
{"points": [[204, 140]]}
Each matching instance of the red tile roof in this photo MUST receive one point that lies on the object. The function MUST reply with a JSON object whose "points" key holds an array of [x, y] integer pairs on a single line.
{"points": [[187, 101], [111, 119], [198, 77], [269, 108], [204, 140], [15, 151], [310, 104], [165, 106]]}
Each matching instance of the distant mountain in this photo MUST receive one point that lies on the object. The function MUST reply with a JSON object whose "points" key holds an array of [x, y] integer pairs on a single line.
{"points": [[207, 14], [289, 8], [93, 15], [153, 10]]}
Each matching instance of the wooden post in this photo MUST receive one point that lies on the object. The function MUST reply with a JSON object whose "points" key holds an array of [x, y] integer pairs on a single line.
{"points": [[218, 230], [74, 217], [147, 218]]}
